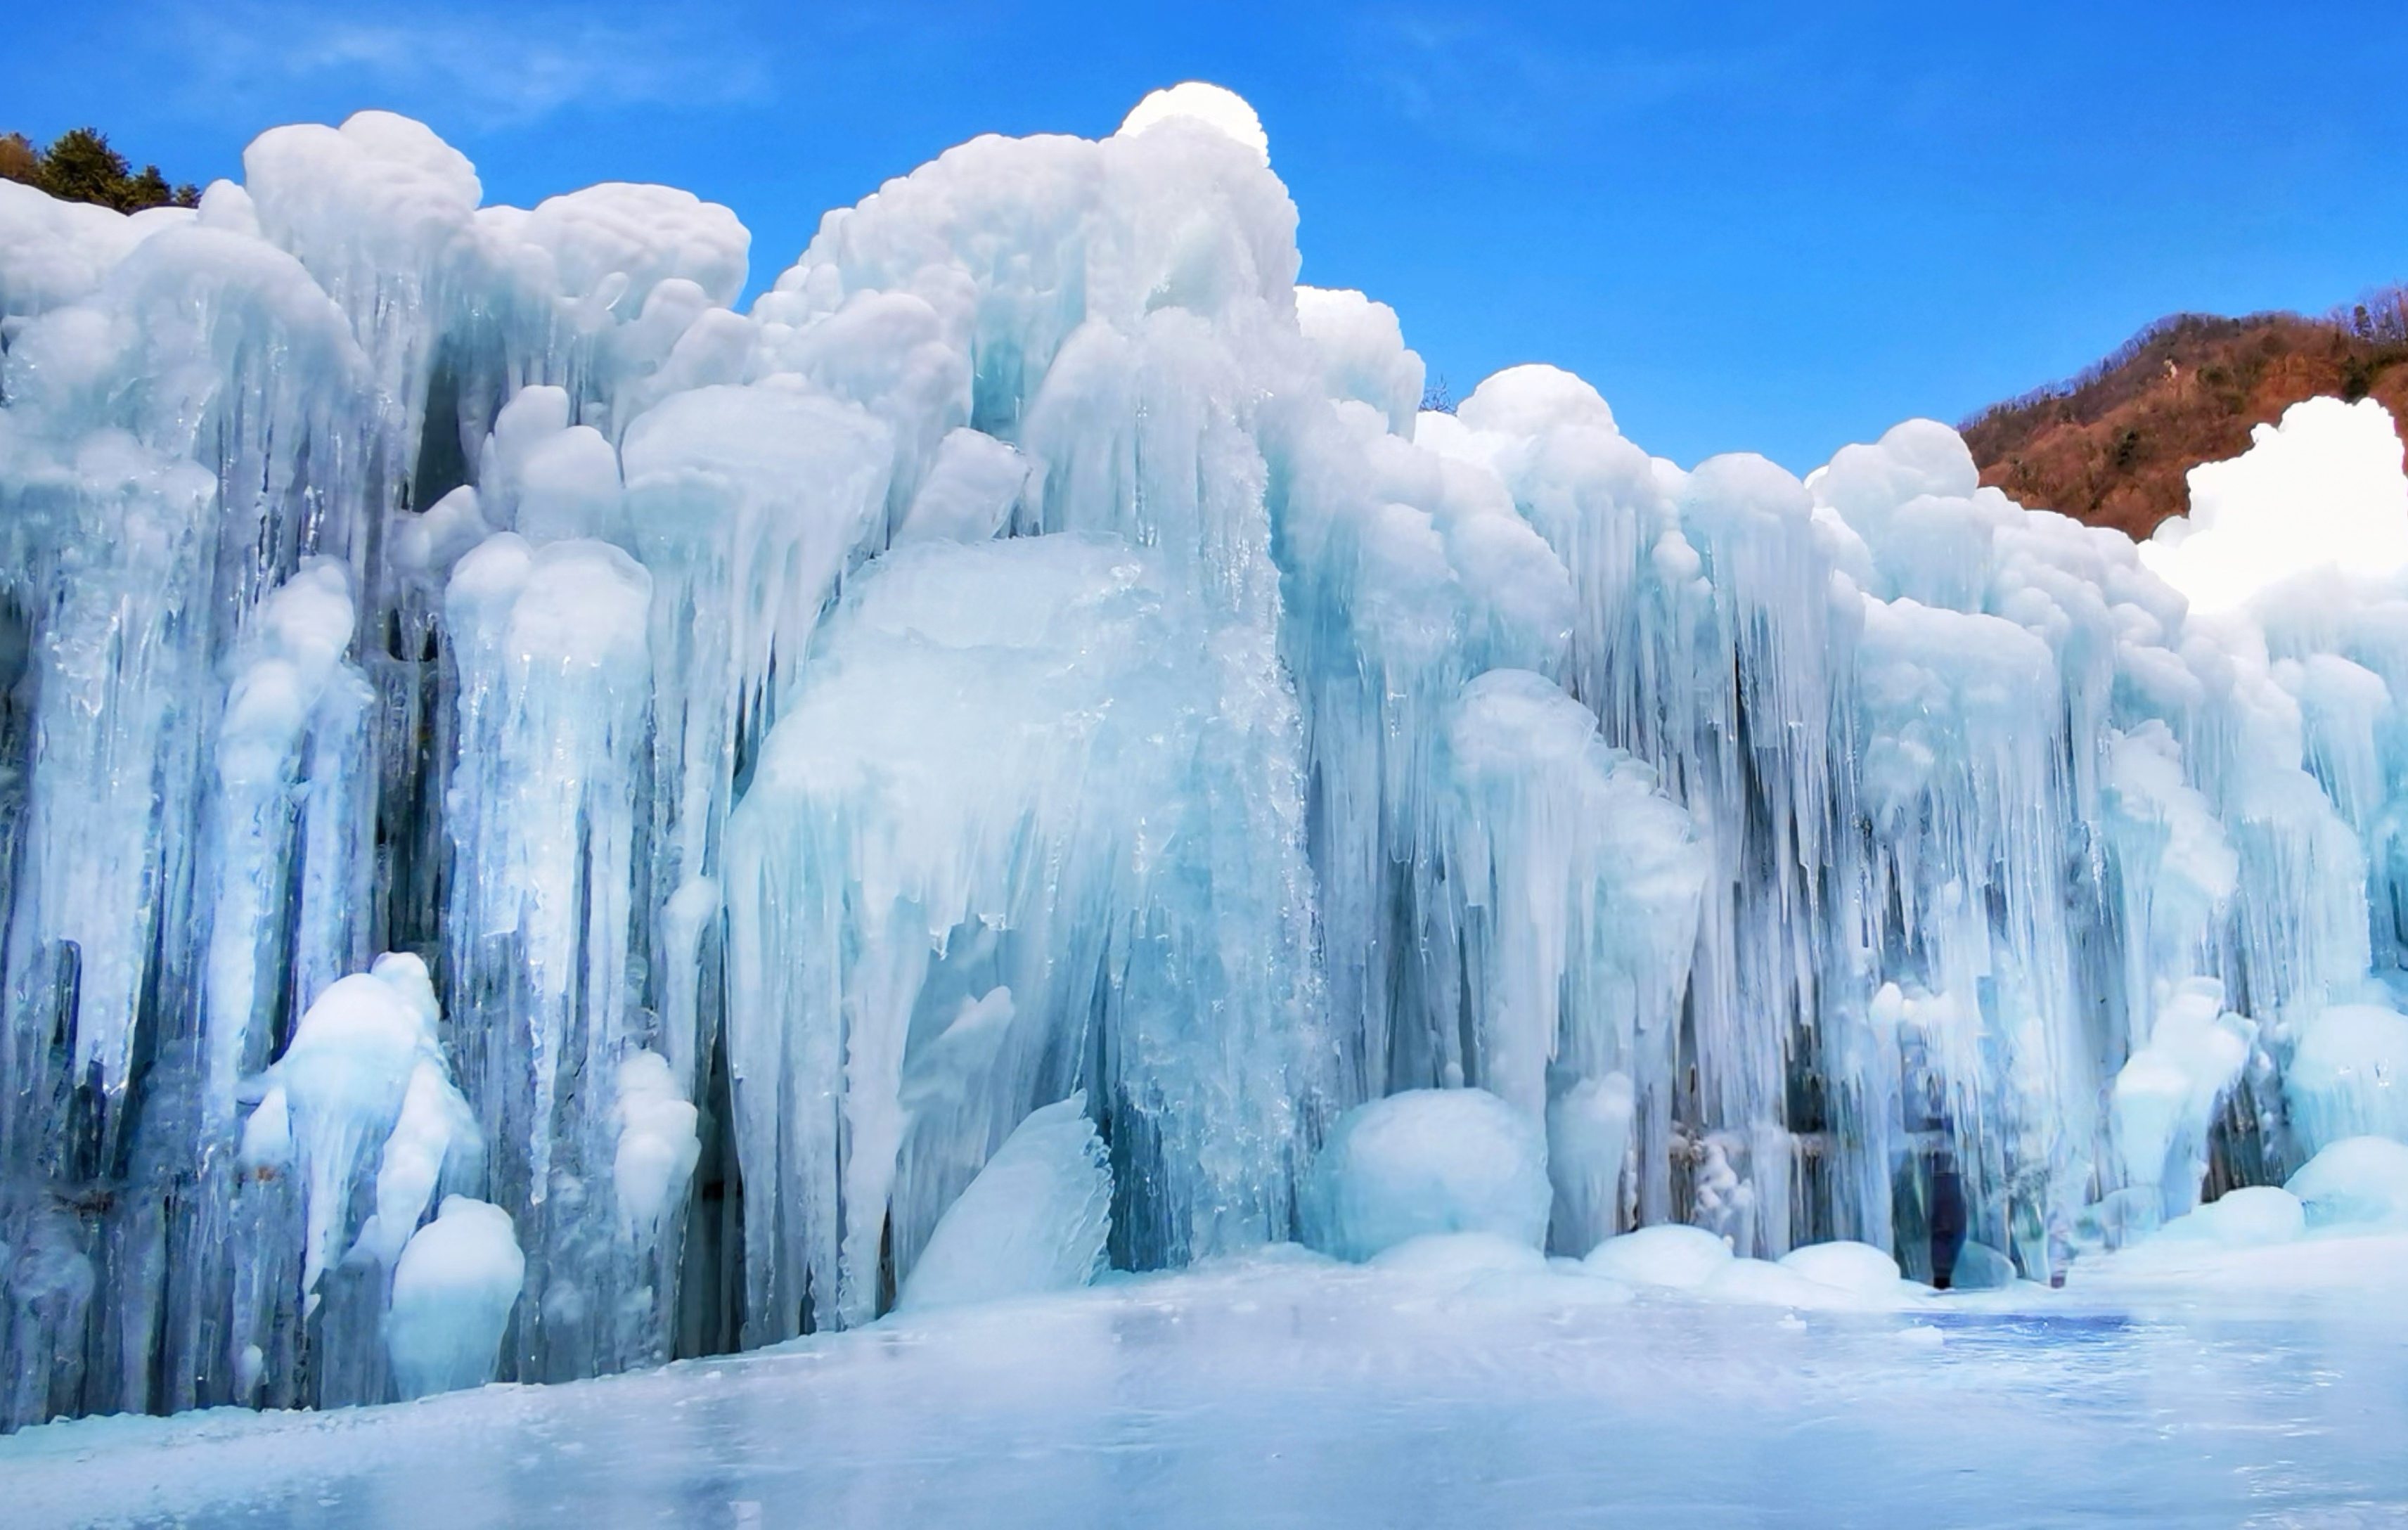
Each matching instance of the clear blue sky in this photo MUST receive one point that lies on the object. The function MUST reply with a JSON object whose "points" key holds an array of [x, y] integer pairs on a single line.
{"points": [[1778, 227]]}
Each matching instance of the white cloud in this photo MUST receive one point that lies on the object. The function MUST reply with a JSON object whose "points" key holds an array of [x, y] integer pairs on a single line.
{"points": [[497, 68], [1508, 89]]}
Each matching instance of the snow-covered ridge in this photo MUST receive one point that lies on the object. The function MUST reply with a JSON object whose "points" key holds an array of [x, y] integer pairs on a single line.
{"points": [[539, 811]]}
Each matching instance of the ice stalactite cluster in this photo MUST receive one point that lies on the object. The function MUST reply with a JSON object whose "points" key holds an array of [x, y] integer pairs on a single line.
{"points": [[548, 823]]}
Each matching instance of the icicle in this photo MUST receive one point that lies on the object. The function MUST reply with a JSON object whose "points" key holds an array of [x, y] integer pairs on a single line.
{"points": [[1040, 649], [553, 693]]}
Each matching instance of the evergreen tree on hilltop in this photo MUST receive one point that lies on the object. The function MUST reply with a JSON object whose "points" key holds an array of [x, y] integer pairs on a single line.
{"points": [[81, 166]]}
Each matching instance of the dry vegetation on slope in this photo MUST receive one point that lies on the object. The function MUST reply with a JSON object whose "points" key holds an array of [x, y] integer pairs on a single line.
{"points": [[2112, 446]]}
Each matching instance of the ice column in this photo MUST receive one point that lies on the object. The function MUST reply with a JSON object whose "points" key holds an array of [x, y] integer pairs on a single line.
{"points": [[1579, 885], [453, 1291], [293, 733], [975, 870], [552, 703]]}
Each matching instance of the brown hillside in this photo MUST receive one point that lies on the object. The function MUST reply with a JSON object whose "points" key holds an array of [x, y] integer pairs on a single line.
{"points": [[2112, 446]]}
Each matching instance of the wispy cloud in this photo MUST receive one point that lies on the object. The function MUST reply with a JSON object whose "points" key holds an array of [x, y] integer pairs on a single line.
{"points": [[1506, 90], [495, 68]]}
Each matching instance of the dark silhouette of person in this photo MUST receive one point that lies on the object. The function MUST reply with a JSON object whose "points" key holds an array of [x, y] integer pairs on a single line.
{"points": [[1948, 1221]]}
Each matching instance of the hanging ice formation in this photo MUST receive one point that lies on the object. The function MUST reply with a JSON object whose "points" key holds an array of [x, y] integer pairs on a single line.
{"points": [[549, 824]]}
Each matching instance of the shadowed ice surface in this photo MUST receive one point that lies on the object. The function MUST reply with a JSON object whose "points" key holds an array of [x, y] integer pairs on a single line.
{"points": [[1286, 1392]]}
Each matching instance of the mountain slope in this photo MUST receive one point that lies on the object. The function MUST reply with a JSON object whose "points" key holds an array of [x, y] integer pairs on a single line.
{"points": [[2112, 446]]}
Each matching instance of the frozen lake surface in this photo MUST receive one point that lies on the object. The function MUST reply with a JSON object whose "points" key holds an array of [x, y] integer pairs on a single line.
{"points": [[1293, 1394]]}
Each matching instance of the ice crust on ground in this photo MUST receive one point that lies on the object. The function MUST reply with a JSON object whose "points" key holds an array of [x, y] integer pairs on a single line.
{"points": [[2360, 1182], [2337, 1228], [1275, 1389], [1038, 652]]}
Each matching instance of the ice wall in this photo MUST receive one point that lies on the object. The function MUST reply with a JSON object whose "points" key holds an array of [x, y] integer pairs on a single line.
{"points": [[1038, 665], [986, 859]]}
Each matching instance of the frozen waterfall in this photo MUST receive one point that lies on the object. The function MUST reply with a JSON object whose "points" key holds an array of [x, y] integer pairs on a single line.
{"points": [[549, 824]]}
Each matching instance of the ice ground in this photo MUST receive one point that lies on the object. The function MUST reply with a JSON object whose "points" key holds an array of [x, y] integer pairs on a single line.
{"points": [[1278, 1391], [1023, 752]]}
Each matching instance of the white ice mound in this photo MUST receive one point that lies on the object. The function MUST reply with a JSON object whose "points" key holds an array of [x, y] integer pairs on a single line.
{"points": [[2360, 1182], [1427, 1161], [364, 1063], [1222, 110], [1035, 1219], [1533, 399], [2348, 1077], [2323, 488], [1981, 1267], [1361, 346], [1491, 1271], [1460, 1256], [1672, 1254], [1846, 1266], [658, 1147], [53, 252], [613, 243], [2250, 1217], [1766, 1283], [453, 1291]]}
